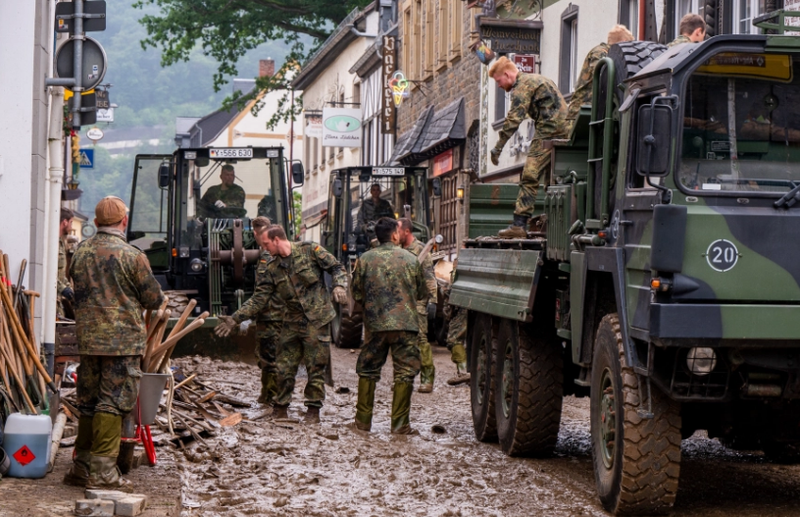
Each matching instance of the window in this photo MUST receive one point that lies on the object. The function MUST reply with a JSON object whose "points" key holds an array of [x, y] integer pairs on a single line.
{"points": [[629, 16], [427, 29], [456, 28], [569, 49], [743, 13], [684, 7], [443, 42], [500, 101], [418, 18], [408, 43]]}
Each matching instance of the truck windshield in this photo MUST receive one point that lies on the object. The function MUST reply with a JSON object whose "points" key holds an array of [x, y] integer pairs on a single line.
{"points": [[741, 125], [225, 190]]}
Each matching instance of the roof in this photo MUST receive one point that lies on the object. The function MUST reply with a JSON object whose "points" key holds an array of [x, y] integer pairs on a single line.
{"points": [[434, 133], [339, 39], [208, 128]]}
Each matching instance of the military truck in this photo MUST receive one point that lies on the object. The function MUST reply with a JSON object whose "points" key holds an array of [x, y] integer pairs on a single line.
{"points": [[406, 190], [662, 280], [204, 250]]}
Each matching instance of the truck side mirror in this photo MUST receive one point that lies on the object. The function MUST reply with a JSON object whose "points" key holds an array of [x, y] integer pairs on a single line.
{"points": [[337, 188], [298, 174], [436, 183], [163, 175], [654, 137]]}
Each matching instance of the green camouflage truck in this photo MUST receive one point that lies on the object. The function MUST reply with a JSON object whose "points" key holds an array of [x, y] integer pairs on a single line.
{"points": [[663, 278]]}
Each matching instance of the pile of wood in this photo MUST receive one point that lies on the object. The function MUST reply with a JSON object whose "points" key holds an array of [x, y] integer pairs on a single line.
{"points": [[23, 377], [158, 351]]}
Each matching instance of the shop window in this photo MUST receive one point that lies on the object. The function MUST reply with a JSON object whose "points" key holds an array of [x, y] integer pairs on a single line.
{"points": [[569, 49]]}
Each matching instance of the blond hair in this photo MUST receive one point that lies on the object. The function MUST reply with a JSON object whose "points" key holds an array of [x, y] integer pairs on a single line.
{"points": [[503, 64], [618, 34]]}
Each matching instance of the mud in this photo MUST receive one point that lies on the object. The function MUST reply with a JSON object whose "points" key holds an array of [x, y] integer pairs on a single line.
{"points": [[287, 468]]}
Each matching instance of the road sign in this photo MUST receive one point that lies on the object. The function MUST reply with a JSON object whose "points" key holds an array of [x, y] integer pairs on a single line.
{"points": [[94, 65], [87, 159], [94, 134], [96, 22]]}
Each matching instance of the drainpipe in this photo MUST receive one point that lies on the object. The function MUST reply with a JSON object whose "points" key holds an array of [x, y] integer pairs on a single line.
{"points": [[55, 172], [642, 19]]}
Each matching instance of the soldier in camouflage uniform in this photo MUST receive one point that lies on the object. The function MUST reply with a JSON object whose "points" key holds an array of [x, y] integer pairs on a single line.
{"points": [[113, 286], [63, 287], [425, 308], [388, 282], [456, 334], [225, 199], [583, 88], [373, 209], [538, 97], [692, 30], [294, 275]]}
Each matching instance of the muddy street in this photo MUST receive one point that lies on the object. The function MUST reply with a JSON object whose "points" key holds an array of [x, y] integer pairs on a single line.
{"points": [[287, 468]]}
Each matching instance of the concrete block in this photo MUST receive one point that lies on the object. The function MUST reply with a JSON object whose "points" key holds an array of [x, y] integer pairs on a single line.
{"points": [[131, 506], [94, 508], [109, 495]]}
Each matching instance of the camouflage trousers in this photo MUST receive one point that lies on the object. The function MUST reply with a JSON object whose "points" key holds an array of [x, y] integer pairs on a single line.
{"points": [[425, 352], [108, 383], [267, 335], [405, 355], [457, 333], [300, 341], [535, 169]]}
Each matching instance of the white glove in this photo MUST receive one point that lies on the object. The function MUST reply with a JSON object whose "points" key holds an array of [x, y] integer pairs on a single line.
{"points": [[220, 204], [244, 326]]}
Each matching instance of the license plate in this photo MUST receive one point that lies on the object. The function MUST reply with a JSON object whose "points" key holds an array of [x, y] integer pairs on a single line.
{"points": [[388, 171], [244, 152]]}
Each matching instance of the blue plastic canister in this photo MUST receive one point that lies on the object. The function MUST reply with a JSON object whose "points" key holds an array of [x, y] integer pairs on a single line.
{"points": [[27, 444]]}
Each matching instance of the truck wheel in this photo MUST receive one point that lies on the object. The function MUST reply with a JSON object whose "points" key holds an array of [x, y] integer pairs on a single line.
{"points": [[481, 363], [346, 330], [629, 58], [636, 460], [528, 390]]}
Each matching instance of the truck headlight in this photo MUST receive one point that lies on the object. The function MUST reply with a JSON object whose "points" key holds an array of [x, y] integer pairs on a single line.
{"points": [[701, 360], [197, 265]]}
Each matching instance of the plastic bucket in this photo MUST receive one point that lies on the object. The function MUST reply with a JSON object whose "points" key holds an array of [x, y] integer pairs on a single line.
{"points": [[5, 463], [151, 386]]}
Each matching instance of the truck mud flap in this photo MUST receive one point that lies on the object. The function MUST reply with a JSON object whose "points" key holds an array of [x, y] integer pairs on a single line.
{"points": [[500, 282]]}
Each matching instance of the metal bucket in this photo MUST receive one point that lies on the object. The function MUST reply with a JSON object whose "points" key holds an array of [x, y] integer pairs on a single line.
{"points": [[151, 386], [5, 463]]}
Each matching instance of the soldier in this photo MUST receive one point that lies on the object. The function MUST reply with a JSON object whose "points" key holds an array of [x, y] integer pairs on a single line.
{"points": [[537, 97], [225, 199], [373, 209], [692, 30], [583, 89], [294, 275], [113, 286], [64, 288], [425, 308], [388, 282], [456, 334]]}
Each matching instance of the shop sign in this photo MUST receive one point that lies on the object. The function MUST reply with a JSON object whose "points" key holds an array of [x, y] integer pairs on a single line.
{"points": [[525, 63], [388, 68], [341, 127], [443, 163], [313, 127], [512, 36]]}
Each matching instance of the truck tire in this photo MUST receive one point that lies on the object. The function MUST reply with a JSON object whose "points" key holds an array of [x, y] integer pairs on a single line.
{"points": [[481, 363], [636, 460], [528, 390], [629, 58], [346, 330]]}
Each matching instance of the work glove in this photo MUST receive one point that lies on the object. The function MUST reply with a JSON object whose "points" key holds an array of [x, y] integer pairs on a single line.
{"points": [[495, 156], [431, 310], [68, 294], [225, 326], [220, 204], [340, 295]]}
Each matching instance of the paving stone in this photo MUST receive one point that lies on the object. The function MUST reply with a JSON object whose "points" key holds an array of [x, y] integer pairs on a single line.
{"points": [[109, 495], [94, 508], [131, 506]]}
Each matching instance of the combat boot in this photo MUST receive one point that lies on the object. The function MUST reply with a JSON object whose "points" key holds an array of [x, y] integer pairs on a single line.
{"points": [[401, 407], [462, 375], [518, 230], [268, 387], [103, 471], [426, 379], [312, 415], [280, 412], [365, 403], [104, 475], [78, 473]]}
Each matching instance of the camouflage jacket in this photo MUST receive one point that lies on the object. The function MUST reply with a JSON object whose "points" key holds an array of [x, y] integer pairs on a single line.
{"points": [[388, 281], [113, 286], [297, 280], [679, 40], [370, 212], [272, 306], [62, 282], [233, 196], [538, 97], [583, 88], [416, 248]]}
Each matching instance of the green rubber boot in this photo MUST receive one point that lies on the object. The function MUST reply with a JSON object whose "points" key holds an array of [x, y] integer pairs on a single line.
{"points": [[365, 403], [103, 471], [269, 388], [401, 407], [78, 474]]}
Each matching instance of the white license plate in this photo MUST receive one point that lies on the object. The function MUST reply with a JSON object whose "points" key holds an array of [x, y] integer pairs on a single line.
{"points": [[244, 152], [388, 171]]}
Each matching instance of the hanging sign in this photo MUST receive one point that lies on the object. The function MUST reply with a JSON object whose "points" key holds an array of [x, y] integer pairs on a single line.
{"points": [[341, 127], [388, 68], [399, 85]]}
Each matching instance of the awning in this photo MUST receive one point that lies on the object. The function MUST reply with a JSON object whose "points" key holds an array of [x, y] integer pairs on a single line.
{"points": [[432, 134]]}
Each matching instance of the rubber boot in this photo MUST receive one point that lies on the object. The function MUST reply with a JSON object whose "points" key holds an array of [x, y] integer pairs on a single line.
{"points": [[401, 406], [518, 230], [462, 375], [426, 375], [78, 474], [280, 412], [312, 415], [268, 387], [103, 471], [365, 403]]}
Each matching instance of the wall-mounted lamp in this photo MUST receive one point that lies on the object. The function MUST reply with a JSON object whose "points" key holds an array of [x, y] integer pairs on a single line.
{"points": [[460, 193]]}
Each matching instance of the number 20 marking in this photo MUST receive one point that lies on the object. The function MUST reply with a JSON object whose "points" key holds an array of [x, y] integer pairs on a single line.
{"points": [[722, 255]]}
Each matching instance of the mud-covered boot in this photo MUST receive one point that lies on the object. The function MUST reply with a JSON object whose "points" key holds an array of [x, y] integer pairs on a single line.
{"points": [[518, 230], [365, 403], [103, 471], [104, 475], [78, 473], [268, 387], [426, 375], [312, 415], [462, 375], [401, 407], [280, 412]]}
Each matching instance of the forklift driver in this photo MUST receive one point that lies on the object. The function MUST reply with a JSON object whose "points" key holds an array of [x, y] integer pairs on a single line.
{"points": [[225, 199], [373, 209]]}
